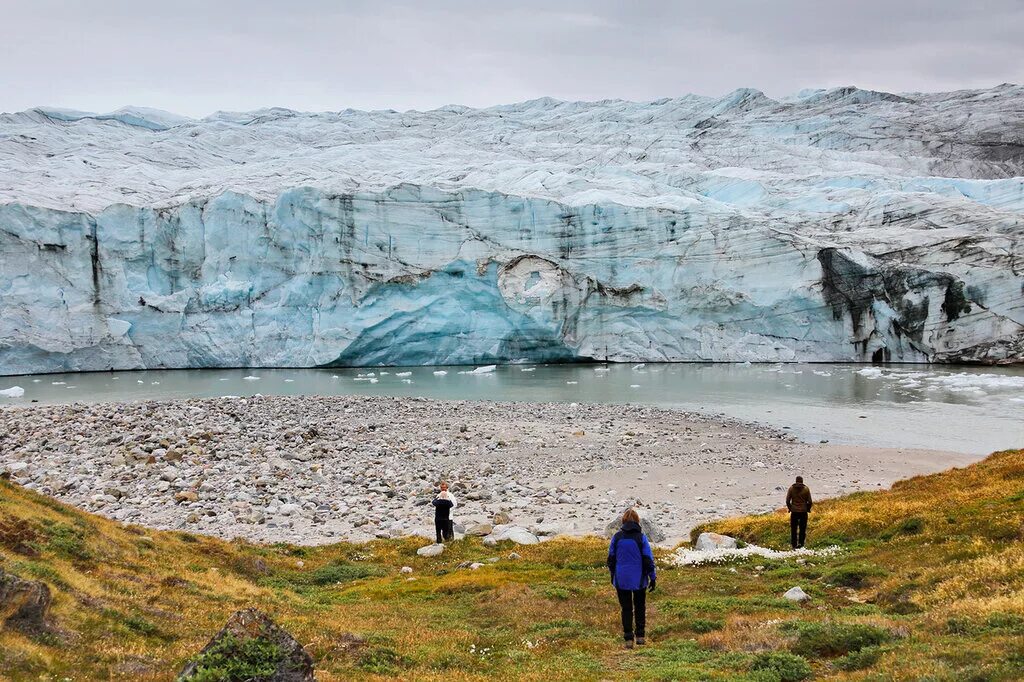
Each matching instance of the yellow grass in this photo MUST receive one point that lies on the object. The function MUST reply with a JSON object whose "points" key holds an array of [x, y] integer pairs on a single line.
{"points": [[936, 565]]}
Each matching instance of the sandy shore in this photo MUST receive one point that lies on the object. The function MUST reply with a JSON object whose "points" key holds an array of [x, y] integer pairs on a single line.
{"points": [[318, 469]]}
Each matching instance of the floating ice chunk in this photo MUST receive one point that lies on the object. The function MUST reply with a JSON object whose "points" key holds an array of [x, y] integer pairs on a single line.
{"points": [[402, 374], [251, 378], [13, 392], [870, 372], [634, 385], [822, 374], [289, 381], [334, 376], [440, 373], [152, 383], [486, 369], [528, 369], [223, 379], [62, 383], [140, 381], [572, 383], [600, 369], [374, 380], [640, 366], [36, 381], [406, 381]]}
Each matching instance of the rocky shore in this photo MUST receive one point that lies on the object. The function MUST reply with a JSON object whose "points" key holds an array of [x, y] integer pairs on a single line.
{"points": [[318, 469]]}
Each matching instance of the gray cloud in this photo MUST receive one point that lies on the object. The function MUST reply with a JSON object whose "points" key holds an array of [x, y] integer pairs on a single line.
{"points": [[195, 57]]}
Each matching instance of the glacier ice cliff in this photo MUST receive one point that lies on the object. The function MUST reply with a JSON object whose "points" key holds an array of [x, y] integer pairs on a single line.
{"points": [[838, 225]]}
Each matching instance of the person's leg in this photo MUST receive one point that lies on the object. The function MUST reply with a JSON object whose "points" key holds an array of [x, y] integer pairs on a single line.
{"points": [[803, 528], [793, 522], [626, 605], [450, 529], [438, 529], [640, 607]]}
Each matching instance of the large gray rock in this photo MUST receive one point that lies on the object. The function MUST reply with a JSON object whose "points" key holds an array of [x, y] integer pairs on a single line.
{"points": [[709, 542], [24, 604], [479, 530], [431, 550], [294, 664], [796, 594], [516, 534], [648, 525]]}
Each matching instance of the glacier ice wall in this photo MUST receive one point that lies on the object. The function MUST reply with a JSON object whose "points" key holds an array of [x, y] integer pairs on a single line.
{"points": [[840, 226]]}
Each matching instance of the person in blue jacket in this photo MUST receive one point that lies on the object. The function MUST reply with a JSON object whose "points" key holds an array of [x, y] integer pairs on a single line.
{"points": [[631, 563]]}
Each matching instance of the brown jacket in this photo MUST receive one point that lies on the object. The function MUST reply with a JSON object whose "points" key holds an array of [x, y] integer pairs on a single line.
{"points": [[798, 499]]}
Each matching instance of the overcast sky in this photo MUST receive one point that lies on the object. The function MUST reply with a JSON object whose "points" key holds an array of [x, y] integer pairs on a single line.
{"points": [[195, 57]]}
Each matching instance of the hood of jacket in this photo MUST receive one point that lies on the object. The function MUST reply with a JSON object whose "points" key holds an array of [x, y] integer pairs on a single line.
{"points": [[631, 527]]}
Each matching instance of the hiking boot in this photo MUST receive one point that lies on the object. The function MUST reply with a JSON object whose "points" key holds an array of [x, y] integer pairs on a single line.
{"points": [[629, 644], [640, 641]]}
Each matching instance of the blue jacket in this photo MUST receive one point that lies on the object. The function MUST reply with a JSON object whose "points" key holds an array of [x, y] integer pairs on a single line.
{"points": [[630, 559]]}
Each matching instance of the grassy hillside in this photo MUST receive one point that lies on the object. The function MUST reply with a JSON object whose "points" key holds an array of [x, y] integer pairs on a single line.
{"points": [[930, 585]]}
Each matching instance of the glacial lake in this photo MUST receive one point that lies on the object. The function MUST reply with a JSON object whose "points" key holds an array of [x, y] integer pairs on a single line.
{"points": [[966, 409]]}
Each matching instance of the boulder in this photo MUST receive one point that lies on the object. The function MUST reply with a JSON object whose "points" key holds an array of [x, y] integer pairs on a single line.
{"points": [[796, 594], [431, 550], [648, 525], [293, 665], [516, 534], [479, 530], [709, 542], [24, 604], [501, 519]]}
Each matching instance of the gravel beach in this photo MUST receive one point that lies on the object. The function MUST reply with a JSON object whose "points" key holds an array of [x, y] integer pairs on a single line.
{"points": [[319, 469]]}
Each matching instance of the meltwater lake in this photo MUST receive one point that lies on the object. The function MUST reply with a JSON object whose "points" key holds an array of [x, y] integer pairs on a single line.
{"points": [[964, 409]]}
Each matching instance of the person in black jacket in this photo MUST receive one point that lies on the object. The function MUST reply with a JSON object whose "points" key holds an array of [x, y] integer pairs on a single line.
{"points": [[443, 505]]}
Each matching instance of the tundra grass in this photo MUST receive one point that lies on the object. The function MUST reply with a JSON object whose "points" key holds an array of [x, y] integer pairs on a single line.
{"points": [[929, 585]]}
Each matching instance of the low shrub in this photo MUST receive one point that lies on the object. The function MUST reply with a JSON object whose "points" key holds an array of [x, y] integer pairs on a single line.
{"points": [[830, 640], [859, 660], [381, 660], [853, 575], [782, 666]]}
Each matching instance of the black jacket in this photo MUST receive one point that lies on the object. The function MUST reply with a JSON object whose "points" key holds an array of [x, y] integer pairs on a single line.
{"points": [[442, 509]]}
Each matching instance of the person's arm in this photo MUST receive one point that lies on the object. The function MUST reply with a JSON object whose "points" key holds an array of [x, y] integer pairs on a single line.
{"points": [[810, 502], [434, 502], [455, 503], [647, 556], [611, 560], [789, 498]]}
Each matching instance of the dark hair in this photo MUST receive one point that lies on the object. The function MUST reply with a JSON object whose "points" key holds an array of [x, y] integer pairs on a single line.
{"points": [[631, 516], [799, 479]]}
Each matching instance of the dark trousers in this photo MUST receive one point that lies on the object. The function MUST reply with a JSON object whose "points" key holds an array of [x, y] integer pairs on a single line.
{"points": [[797, 528], [443, 528], [633, 602]]}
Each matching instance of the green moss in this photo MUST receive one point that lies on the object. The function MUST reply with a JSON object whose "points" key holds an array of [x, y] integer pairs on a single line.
{"points": [[67, 541], [231, 660], [330, 574]]}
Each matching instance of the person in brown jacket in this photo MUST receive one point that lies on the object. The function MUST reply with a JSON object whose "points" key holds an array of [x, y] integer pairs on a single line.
{"points": [[799, 503]]}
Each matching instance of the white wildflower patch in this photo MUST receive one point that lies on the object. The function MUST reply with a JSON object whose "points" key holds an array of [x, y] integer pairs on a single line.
{"points": [[685, 556]]}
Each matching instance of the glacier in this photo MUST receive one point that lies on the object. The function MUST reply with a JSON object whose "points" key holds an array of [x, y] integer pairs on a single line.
{"points": [[835, 225]]}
